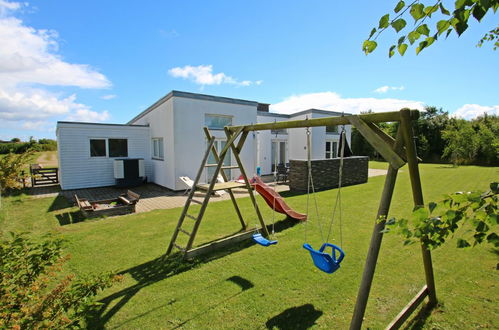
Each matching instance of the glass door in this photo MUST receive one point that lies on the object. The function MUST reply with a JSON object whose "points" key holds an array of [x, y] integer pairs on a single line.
{"points": [[279, 149]]}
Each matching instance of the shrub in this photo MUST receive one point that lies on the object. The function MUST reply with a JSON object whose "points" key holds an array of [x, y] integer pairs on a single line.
{"points": [[33, 292], [11, 166]]}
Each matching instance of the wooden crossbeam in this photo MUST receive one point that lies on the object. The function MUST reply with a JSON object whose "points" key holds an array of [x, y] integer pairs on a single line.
{"points": [[408, 309], [385, 149]]}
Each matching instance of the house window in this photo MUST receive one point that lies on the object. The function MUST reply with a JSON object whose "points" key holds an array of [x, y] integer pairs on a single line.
{"points": [[157, 148], [332, 129], [97, 147], [217, 121], [279, 131], [118, 147], [331, 149]]}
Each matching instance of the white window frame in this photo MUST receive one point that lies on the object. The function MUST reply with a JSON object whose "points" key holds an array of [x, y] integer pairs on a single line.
{"points": [[161, 148], [332, 153]]}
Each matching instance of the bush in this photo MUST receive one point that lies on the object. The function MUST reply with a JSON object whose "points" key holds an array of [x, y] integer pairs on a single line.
{"points": [[34, 293], [11, 166]]}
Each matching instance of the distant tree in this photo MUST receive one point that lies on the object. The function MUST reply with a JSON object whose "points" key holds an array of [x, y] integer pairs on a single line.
{"points": [[11, 166], [462, 142], [428, 130], [15, 140], [422, 13]]}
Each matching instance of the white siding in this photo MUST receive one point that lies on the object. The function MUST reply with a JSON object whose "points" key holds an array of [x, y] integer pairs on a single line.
{"points": [[79, 170], [160, 121], [190, 141]]}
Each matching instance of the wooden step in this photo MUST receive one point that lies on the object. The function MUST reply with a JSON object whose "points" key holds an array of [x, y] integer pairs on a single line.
{"points": [[196, 201], [179, 247], [184, 231], [227, 167], [190, 216], [222, 186]]}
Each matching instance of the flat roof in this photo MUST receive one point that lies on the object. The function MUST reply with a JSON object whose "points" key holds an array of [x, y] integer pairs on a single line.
{"points": [[100, 124], [195, 96]]}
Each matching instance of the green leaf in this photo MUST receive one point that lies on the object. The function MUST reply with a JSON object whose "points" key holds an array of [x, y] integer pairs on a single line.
{"points": [[429, 41], [460, 3], [420, 214], [417, 11], [459, 198], [391, 52], [478, 12], [422, 45], [442, 26], [373, 31], [448, 32], [493, 238], [399, 24], [461, 27], [482, 227], [399, 6], [461, 243], [383, 21], [401, 40], [432, 206], [430, 10], [494, 186], [443, 10], [423, 29], [413, 36], [402, 48], [369, 46]]}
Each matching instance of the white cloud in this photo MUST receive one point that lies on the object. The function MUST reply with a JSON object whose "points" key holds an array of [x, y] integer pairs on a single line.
{"points": [[334, 102], [29, 57], [203, 75], [108, 97], [89, 115], [470, 111], [384, 89]]}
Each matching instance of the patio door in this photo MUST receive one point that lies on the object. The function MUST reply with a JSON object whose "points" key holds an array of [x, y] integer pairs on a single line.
{"points": [[279, 149], [219, 145]]}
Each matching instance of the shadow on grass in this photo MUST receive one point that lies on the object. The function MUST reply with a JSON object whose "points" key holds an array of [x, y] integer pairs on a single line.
{"points": [[154, 271], [419, 320], [68, 218], [59, 203], [301, 317]]}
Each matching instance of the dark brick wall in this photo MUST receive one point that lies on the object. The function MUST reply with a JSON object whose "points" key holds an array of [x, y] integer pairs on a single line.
{"points": [[325, 172]]}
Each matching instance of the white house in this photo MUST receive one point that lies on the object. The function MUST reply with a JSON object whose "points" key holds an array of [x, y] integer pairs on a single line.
{"points": [[169, 137]]}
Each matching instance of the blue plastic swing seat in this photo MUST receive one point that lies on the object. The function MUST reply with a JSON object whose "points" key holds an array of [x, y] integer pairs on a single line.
{"points": [[326, 262], [258, 238]]}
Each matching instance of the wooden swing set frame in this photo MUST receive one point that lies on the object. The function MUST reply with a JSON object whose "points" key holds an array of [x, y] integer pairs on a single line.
{"points": [[396, 151]]}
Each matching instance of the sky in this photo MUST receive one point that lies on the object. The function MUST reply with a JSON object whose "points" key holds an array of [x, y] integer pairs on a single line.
{"points": [[106, 61]]}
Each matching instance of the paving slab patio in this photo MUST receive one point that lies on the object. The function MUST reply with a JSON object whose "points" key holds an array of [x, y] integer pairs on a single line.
{"points": [[152, 196]]}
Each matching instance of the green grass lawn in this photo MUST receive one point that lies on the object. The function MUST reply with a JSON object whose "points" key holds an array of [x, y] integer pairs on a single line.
{"points": [[251, 286]]}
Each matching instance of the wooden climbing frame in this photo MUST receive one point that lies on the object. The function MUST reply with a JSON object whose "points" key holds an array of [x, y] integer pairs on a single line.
{"points": [[396, 151]]}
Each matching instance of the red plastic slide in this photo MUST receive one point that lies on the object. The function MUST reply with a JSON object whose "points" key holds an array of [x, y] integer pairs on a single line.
{"points": [[269, 195]]}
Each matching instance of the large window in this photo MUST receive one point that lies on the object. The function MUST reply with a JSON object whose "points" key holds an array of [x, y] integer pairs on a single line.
{"points": [[118, 147], [332, 129], [97, 147], [217, 121], [108, 147], [157, 148]]}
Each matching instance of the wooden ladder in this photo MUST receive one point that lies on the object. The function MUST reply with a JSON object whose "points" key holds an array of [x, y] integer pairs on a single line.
{"points": [[209, 189]]}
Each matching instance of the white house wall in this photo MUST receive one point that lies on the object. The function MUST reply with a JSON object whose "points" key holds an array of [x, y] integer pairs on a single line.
{"points": [[79, 170], [264, 140], [160, 121], [190, 141]]}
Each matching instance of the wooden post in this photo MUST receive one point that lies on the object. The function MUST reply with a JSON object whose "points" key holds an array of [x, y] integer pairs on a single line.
{"points": [[376, 238], [236, 151], [372, 254], [417, 194]]}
